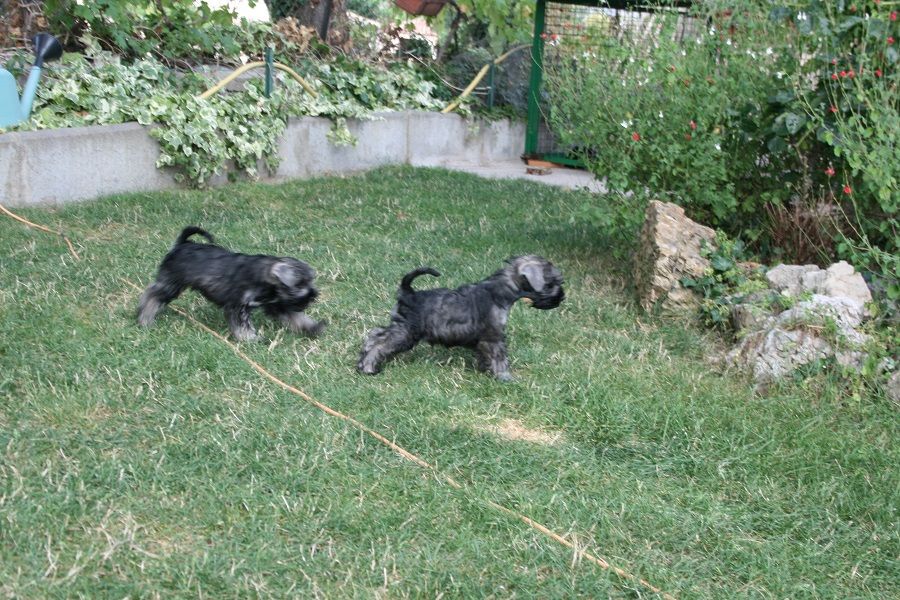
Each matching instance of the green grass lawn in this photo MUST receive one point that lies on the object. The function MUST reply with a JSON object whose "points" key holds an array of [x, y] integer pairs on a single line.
{"points": [[156, 463]]}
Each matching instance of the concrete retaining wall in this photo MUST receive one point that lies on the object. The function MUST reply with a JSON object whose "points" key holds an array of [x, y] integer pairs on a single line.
{"points": [[67, 165]]}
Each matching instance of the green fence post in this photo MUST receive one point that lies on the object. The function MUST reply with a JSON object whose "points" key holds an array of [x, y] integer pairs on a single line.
{"points": [[491, 85], [270, 59], [534, 85]]}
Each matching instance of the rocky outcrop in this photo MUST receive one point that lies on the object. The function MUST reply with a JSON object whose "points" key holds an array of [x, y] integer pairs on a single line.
{"points": [[814, 329], [825, 307], [669, 250], [839, 280]]}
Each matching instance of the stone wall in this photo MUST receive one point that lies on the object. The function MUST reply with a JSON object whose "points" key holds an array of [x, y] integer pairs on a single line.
{"points": [[68, 165]]}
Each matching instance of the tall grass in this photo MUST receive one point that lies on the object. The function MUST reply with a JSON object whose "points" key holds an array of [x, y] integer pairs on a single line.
{"points": [[156, 463]]}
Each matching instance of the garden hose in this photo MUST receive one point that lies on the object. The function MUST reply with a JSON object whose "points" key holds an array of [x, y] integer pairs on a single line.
{"points": [[239, 71], [452, 106]]}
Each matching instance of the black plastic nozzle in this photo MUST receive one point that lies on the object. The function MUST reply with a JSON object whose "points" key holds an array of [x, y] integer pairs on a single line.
{"points": [[46, 47]]}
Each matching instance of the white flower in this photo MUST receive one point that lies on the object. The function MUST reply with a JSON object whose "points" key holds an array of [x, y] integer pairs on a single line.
{"points": [[769, 51], [728, 42], [802, 16], [699, 41], [779, 74], [718, 147], [684, 53], [660, 115], [624, 124], [712, 31]]}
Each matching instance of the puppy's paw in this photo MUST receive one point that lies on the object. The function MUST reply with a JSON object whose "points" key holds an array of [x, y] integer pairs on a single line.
{"points": [[504, 377], [317, 329], [246, 336], [367, 369]]}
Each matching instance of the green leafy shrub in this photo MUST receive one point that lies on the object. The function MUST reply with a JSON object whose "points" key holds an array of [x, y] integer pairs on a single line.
{"points": [[777, 122], [202, 137], [845, 97], [728, 281], [682, 119], [167, 29]]}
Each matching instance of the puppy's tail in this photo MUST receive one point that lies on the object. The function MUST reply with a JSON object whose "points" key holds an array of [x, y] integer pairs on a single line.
{"points": [[406, 282], [191, 230]]}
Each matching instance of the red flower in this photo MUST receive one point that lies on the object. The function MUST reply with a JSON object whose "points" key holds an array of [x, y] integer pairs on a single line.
{"points": [[543, 36], [850, 74], [893, 15], [853, 8], [834, 75], [890, 40], [877, 72], [833, 108], [847, 190], [829, 171], [834, 61], [554, 37], [693, 125], [636, 136], [687, 136], [843, 73]]}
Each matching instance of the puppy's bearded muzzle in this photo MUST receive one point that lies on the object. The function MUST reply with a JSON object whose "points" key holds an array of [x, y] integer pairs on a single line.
{"points": [[548, 302], [303, 297]]}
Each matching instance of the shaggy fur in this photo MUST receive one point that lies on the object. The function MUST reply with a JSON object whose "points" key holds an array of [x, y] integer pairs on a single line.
{"points": [[472, 315], [281, 286]]}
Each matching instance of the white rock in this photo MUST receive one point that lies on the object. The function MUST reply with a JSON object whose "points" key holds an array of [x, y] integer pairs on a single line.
{"points": [[819, 328], [839, 280], [789, 278]]}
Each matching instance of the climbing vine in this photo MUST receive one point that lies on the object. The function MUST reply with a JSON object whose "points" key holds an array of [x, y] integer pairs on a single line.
{"points": [[200, 138]]}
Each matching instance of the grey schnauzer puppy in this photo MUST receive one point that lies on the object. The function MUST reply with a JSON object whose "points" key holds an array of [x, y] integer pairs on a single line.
{"points": [[281, 286], [472, 315]]}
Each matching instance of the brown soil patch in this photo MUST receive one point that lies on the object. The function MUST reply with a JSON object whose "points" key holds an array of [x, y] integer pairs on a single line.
{"points": [[513, 430]]}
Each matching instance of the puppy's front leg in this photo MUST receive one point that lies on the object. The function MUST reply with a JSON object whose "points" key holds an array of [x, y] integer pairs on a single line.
{"points": [[492, 357], [239, 323], [300, 322]]}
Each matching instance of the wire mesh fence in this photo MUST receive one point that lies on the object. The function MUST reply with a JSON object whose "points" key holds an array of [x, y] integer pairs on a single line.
{"points": [[603, 33]]}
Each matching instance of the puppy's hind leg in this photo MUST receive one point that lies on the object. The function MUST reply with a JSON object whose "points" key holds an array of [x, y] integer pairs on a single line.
{"points": [[154, 299], [380, 345]]}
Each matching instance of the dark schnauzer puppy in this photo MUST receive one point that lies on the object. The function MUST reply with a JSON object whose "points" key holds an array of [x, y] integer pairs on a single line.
{"points": [[282, 287], [473, 315]]}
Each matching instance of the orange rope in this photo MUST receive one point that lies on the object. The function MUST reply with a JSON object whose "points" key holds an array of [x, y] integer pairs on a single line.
{"points": [[42, 228], [413, 458]]}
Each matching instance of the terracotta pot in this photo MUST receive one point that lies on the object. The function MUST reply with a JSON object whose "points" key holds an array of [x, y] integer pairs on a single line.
{"points": [[426, 8]]}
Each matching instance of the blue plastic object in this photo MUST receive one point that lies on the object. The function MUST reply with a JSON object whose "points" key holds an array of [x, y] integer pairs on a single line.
{"points": [[13, 110]]}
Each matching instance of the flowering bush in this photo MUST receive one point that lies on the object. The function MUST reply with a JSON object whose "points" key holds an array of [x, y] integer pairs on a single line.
{"points": [[677, 118], [768, 118], [846, 96]]}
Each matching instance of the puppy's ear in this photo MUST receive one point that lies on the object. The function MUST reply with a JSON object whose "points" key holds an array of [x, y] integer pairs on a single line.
{"points": [[285, 273], [534, 273]]}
